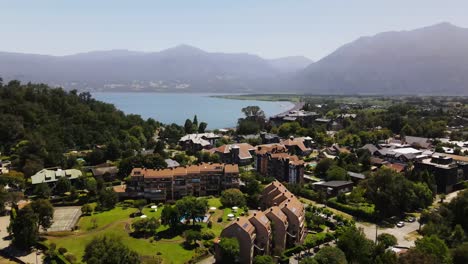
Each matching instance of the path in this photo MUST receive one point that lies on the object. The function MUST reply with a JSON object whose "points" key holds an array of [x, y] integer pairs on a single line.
{"points": [[405, 235]]}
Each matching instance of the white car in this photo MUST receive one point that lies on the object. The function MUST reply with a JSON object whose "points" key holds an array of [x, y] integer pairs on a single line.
{"points": [[400, 224]]}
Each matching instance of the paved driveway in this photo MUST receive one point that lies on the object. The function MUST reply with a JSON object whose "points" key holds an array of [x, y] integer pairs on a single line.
{"points": [[405, 235], [28, 257]]}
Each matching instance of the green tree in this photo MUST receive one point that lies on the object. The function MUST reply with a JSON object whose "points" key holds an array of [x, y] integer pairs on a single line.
{"points": [[322, 167], [232, 197], [170, 216], [230, 249], [107, 199], [202, 127], [386, 240], [192, 236], [109, 250], [63, 185], [355, 245], [86, 209], [91, 186], [460, 254], [25, 230], [140, 204], [44, 211], [192, 208], [436, 247], [188, 126], [330, 255], [336, 173], [42, 190], [145, 226]]}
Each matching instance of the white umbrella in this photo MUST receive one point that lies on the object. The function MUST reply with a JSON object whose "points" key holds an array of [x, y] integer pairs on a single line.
{"points": [[230, 215], [235, 208], [154, 207], [212, 208], [143, 216]]}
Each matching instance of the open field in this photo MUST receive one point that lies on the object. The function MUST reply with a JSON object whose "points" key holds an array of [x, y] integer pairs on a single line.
{"points": [[117, 222]]}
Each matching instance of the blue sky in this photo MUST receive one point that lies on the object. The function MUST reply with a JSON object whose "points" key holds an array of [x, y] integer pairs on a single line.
{"points": [[267, 28]]}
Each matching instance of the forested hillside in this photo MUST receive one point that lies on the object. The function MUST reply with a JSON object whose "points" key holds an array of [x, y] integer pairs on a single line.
{"points": [[38, 124]]}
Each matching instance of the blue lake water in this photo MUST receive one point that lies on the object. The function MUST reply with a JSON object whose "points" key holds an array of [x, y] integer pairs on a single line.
{"points": [[176, 108]]}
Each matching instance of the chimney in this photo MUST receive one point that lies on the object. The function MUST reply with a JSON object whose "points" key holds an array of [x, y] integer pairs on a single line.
{"points": [[238, 218]]}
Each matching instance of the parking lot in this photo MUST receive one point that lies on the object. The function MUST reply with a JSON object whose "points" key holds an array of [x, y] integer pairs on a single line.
{"points": [[405, 235], [65, 218]]}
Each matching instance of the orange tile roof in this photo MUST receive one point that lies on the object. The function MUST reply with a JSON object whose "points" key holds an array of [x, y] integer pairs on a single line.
{"points": [[244, 224], [299, 142], [185, 170]]}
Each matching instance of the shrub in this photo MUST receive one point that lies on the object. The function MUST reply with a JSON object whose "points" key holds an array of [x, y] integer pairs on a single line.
{"points": [[207, 234], [62, 250]]}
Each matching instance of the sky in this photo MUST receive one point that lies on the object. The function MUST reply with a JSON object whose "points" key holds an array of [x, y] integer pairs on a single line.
{"points": [[268, 28]]}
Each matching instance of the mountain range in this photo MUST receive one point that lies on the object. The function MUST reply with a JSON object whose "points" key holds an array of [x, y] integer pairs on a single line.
{"points": [[430, 60]]}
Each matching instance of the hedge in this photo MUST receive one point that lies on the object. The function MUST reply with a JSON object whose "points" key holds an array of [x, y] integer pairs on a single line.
{"points": [[352, 210]]}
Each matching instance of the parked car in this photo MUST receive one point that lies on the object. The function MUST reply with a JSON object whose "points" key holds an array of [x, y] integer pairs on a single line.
{"points": [[400, 224], [410, 219]]}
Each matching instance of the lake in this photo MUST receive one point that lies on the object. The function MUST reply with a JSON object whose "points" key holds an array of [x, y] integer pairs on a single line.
{"points": [[176, 108]]}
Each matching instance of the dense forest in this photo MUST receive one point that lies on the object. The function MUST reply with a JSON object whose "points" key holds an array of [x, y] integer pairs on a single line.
{"points": [[38, 124]]}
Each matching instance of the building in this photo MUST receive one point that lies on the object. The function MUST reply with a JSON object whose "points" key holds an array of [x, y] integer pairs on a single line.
{"points": [[276, 162], [333, 188], [300, 116], [107, 173], [268, 138], [447, 172], [269, 232], [175, 183], [241, 153], [199, 141], [300, 146], [263, 237], [245, 233], [418, 142], [51, 176]]}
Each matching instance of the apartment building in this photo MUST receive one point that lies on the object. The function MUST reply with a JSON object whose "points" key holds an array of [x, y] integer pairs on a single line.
{"points": [[175, 183], [275, 161], [281, 225]]}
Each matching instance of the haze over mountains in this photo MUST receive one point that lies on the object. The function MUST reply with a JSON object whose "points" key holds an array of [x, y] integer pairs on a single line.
{"points": [[430, 60]]}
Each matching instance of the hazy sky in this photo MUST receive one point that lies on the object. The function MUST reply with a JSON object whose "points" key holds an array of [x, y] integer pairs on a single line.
{"points": [[268, 28]]}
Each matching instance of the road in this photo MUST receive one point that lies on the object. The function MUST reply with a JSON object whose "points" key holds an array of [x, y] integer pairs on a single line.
{"points": [[28, 257]]}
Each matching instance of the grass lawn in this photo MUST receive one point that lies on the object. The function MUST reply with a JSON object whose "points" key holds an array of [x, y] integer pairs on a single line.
{"points": [[117, 222]]}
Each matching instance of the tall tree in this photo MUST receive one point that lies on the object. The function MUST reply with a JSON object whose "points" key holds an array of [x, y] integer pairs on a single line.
{"points": [[44, 211], [188, 126], [230, 249], [355, 245], [25, 230], [170, 216], [109, 250]]}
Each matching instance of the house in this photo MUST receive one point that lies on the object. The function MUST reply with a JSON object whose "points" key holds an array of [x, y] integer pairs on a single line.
{"points": [[418, 142], [241, 153], [397, 167], [268, 138], [333, 188], [107, 173], [356, 177], [448, 172], [300, 146], [175, 183], [171, 163], [327, 122], [244, 231], [300, 116], [371, 148], [199, 141], [51, 176]]}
